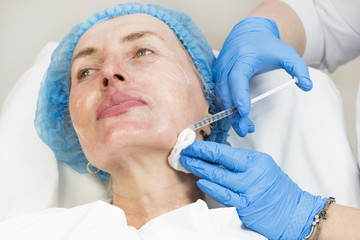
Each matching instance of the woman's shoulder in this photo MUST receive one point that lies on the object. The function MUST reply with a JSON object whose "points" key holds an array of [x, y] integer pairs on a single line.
{"points": [[59, 223], [63, 212]]}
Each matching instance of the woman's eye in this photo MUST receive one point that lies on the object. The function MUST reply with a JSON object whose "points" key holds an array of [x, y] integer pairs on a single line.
{"points": [[84, 73], [143, 52]]}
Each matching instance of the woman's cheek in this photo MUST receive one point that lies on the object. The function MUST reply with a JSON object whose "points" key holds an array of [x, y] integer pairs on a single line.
{"points": [[81, 111]]}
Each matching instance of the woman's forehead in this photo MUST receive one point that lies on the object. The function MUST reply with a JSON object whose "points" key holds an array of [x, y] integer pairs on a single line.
{"points": [[122, 26]]}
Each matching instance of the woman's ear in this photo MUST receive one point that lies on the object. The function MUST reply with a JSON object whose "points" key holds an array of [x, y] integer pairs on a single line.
{"points": [[205, 131]]}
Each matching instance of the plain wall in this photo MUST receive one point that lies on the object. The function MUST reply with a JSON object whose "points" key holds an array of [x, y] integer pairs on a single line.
{"points": [[26, 26]]}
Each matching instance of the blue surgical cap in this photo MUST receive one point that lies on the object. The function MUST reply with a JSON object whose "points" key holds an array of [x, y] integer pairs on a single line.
{"points": [[52, 121]]}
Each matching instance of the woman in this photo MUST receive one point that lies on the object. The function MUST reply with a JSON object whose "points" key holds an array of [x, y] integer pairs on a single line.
{"points": [[119, 90]]}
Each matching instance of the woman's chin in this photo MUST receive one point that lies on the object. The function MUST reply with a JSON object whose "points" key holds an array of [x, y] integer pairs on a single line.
{"points": [[121, 132]]}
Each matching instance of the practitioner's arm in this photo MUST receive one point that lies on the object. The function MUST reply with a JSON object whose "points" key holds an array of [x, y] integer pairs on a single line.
{"points": [[342, 223], [326, 33], [289, 24]]}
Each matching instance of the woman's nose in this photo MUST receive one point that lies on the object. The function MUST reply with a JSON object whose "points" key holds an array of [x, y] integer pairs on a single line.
{"points": [[108, 80], [113, 73]]}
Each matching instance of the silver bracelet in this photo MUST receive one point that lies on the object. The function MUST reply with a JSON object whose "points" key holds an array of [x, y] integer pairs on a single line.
{"points": [[319, 217]]}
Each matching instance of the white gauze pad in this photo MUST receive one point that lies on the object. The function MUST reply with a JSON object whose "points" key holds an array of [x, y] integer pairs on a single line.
{"points": [[186, 137]]}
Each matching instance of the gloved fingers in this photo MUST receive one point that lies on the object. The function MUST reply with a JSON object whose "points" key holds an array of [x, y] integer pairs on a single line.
{"points": [[223, 96], [234, 159], [251, 126], [296, 67], [214, 173], [224, 99], [223, 92], [242, 126], [221, 194], [304, 83], [226, 58], [221, 71], [239, 77]]}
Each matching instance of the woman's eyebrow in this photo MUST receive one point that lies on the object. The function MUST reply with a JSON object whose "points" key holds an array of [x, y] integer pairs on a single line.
{"points": [[138, 35], [83, 53]]}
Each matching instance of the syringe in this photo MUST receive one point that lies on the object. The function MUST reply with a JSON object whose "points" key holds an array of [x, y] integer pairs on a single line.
{"points": [[228, 112]]}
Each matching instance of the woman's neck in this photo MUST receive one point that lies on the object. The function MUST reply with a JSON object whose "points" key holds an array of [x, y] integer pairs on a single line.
{"points": [[149, 188]]}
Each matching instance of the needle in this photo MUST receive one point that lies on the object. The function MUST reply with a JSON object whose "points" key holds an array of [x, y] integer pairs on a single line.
{"points": [[228, 112]]}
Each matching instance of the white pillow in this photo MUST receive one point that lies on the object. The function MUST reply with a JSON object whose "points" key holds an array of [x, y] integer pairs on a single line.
{"points": [[304, 132], [28, 167], [31, 178]]}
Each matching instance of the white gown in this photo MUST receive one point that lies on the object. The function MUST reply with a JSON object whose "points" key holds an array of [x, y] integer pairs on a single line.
{"points": [[101, 220], [332, 30]]}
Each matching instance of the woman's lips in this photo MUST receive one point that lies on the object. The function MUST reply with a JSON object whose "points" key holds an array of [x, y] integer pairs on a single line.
{"points": [[118, 103]]}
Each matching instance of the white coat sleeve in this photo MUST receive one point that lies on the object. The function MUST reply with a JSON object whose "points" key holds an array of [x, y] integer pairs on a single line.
{"points": [[332, 30]]}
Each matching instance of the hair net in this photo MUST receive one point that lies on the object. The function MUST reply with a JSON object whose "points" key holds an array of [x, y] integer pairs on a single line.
{"points": [[52, 121]]}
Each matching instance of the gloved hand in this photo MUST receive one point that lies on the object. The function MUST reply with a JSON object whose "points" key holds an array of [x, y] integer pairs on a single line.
{"points": [[266, 199], [252, 47]]}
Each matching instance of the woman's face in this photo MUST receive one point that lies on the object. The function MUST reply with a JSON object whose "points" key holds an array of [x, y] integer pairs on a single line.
{"points": [[133, 88]]}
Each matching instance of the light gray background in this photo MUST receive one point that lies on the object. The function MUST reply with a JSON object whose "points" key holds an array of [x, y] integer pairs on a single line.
{"points": [[26, 26]]}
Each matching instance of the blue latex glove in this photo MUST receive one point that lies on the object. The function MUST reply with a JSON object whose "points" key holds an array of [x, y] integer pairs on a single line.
{"points": [[252, 47], [266, 199]]}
